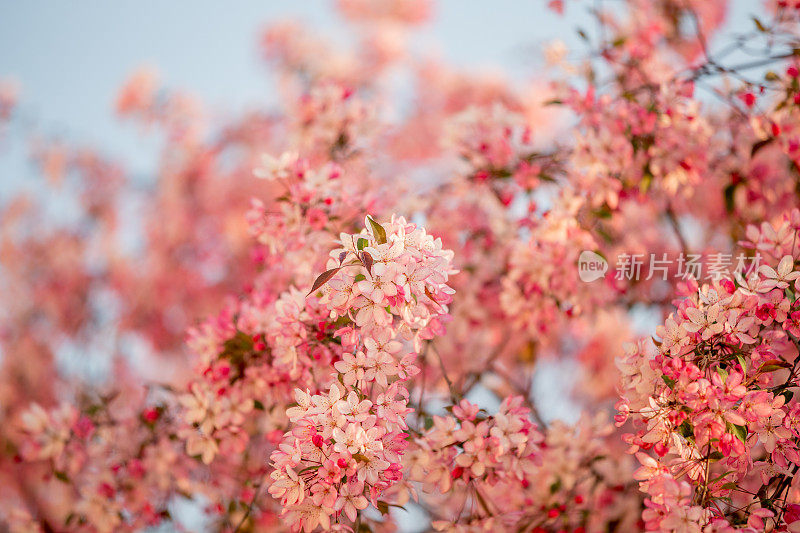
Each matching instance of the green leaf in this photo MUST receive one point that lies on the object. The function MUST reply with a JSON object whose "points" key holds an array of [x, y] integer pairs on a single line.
{"points": [[740, 432], [258, 405], [772, 365], [377, 230], [669, 381], [742, 362], [237, 346], [685, 429], [647, 180], [719, 477], [603, 212], [729, 197], [61, 476], [361, 243]]}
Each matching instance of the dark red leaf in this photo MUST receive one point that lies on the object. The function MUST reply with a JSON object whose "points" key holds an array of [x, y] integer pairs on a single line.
{"points": [[323, 279], [430, 295], [759, 145], [367, 261]]}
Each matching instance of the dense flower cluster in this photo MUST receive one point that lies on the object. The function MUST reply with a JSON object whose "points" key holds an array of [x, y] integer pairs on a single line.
{"points": [[117, 461], [386, 285], [542, 285], [714, 401]]}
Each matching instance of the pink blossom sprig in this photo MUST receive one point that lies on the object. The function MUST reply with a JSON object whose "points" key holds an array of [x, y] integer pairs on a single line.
{"points": [[713, 403], [387, 287]]}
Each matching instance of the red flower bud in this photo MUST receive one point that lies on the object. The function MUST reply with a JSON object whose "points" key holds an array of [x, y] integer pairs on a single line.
{"points": [[105, 490], [150, 414], [661, 449]]}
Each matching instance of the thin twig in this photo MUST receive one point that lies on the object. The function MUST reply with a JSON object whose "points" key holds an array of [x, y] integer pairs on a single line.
{"points": [[453, 395], [249, 507], [673, 220]]}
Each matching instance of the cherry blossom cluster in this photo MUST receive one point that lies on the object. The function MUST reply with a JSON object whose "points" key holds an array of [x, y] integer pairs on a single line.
{"points": [[500, 472], [630, 143], [713, 402], [468, 445], [179, 113], [120, 465], [252, 358], [471, 451], [333, 118], [312, 197], [389, 280], [387, 284], [9, 93], [542, 286], [342, 454], [407, 11], [495, 143]]}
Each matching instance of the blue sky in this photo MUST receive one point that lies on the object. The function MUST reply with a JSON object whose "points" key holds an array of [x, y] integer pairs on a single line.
{"points": [[71, 57]]}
